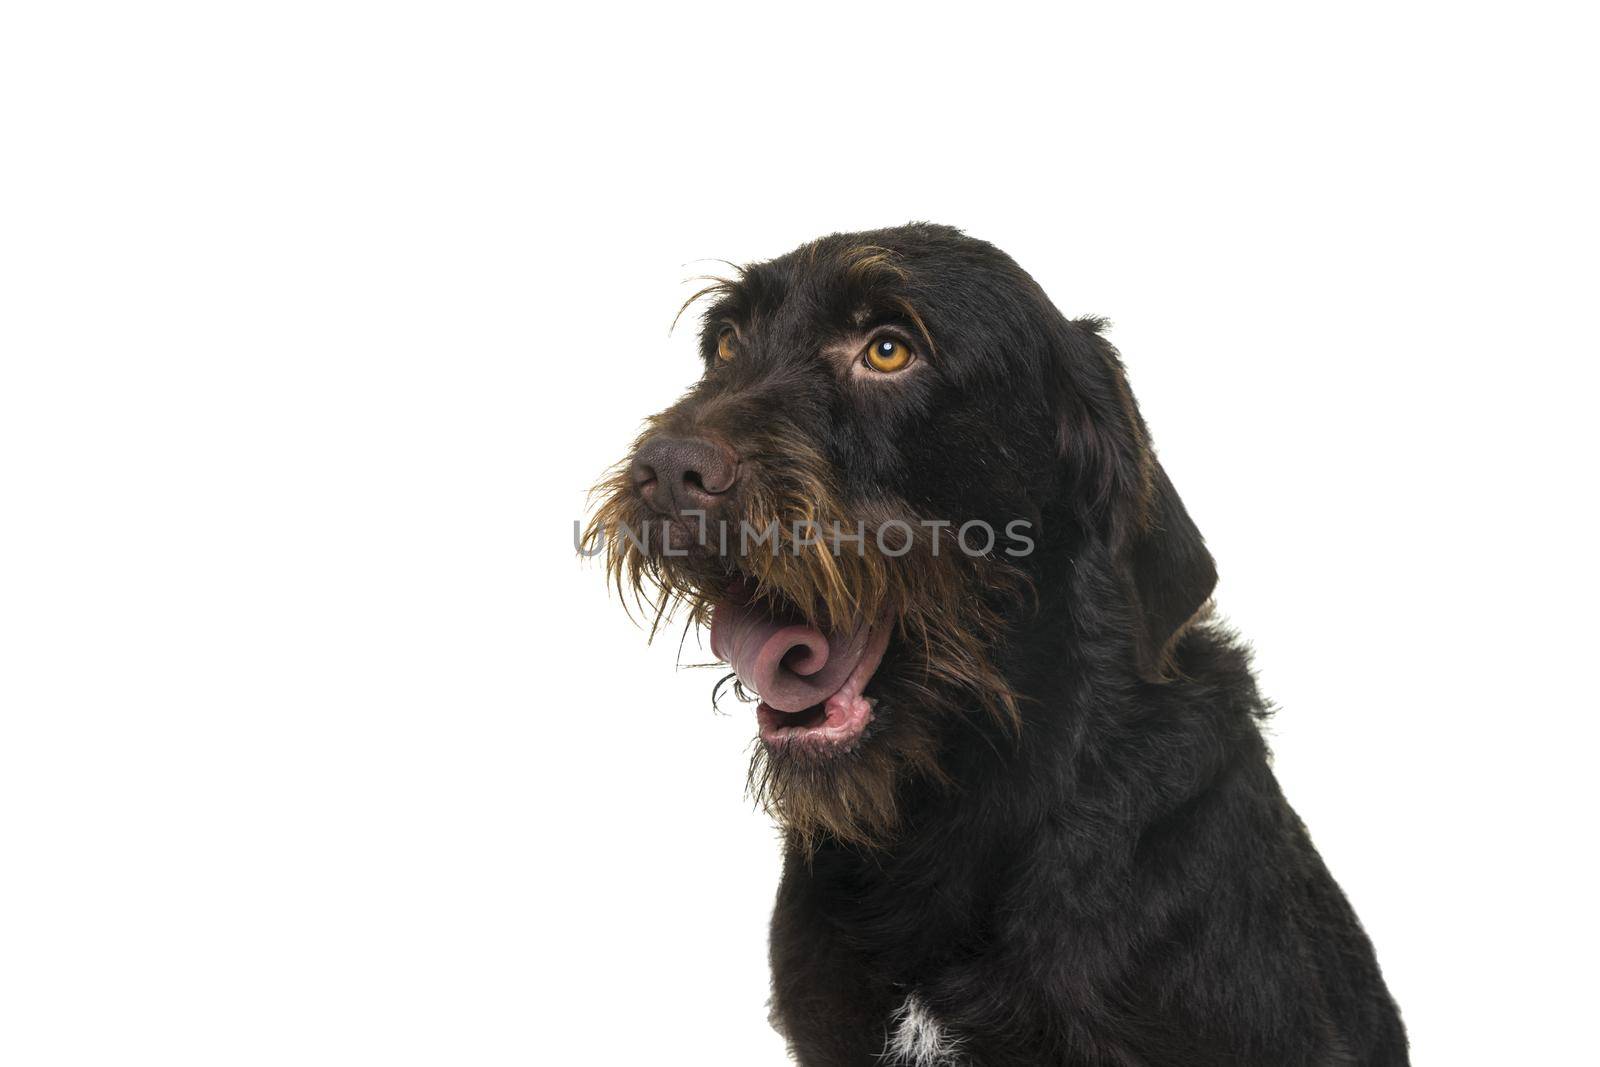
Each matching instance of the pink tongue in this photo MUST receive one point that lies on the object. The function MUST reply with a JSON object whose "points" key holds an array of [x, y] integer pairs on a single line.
{"points": [[791, 665]]}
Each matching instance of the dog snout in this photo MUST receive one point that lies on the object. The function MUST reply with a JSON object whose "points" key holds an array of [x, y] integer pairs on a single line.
{"points": [[679, 474]]}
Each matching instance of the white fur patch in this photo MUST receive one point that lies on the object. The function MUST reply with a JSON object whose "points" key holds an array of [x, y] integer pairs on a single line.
{"points": [[917, 1039]]}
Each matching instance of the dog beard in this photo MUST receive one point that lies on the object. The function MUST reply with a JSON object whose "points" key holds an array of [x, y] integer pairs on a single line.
{"points": [[853, 794], [946, 609]]}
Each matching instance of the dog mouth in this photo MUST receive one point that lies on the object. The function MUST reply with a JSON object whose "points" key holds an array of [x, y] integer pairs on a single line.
{"points": [[811, 681]]}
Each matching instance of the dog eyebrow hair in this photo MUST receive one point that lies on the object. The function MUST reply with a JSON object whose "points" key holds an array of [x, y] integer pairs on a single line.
{"points": [[872, 263], [870, 272], [879, 278], [910, 311], [897, 313], [724, 289]]}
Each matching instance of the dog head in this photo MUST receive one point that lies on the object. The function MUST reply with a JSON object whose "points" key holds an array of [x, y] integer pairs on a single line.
{"points": [[897, 450]]}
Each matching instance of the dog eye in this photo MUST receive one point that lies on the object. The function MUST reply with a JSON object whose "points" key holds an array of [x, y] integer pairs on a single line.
{"points": [[727, 344], [888, 355]]}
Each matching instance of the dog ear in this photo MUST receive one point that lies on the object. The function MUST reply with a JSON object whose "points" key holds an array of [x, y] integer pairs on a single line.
{"points": [[1159, 557]]}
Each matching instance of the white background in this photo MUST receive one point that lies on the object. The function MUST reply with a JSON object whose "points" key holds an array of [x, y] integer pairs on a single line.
{"points": [[320, 747]]}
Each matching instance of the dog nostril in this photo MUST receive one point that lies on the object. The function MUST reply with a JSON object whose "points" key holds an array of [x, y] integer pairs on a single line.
{"points": [[672, 474]]}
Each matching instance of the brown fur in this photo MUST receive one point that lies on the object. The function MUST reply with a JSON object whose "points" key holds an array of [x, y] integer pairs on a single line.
{"points": [[945, 604]]}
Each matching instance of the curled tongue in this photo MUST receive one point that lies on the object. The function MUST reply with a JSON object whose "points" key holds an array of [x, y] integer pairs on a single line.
{"points": [[790, 664]]}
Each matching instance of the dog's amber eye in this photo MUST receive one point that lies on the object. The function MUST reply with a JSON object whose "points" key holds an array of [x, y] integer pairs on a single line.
{"points": [[887, 355], [727, 344]]}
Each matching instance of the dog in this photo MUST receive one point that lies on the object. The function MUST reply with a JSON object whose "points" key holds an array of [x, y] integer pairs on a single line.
{"points": [[1027, 809]]}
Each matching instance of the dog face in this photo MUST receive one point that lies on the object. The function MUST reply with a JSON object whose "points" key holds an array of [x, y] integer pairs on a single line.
{"points": [[896, 444]]}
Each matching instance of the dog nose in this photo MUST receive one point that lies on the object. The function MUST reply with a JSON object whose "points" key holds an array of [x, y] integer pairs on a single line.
{"points": [[677, 474]]}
